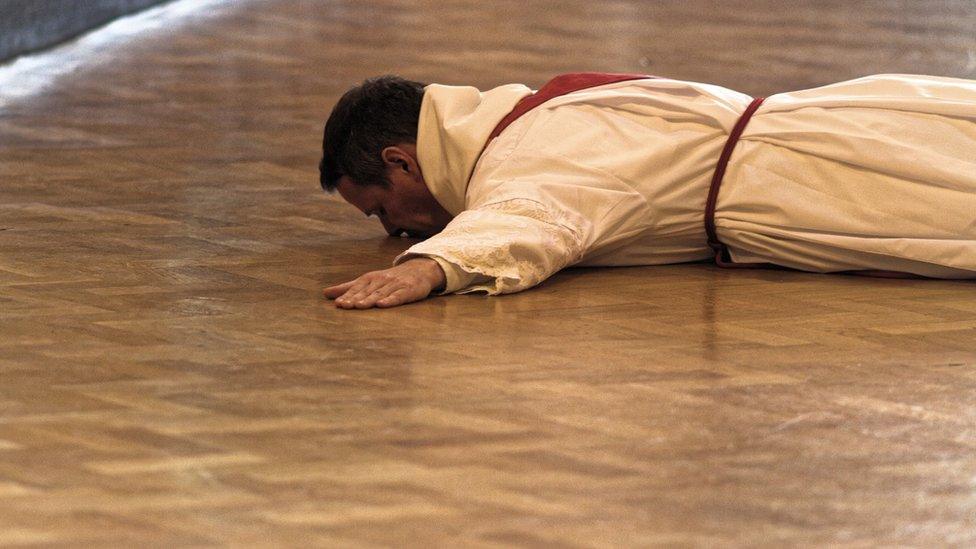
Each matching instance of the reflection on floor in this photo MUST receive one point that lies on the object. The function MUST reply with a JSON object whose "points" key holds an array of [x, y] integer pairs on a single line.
{"points": [[170, 374]]}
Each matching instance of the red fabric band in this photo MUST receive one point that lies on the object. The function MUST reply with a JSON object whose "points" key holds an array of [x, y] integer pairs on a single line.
{"points": [[723, 163], [558, 86]]}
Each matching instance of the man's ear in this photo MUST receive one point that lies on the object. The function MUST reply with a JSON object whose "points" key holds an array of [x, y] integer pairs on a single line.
{"points": [[399, 158]]}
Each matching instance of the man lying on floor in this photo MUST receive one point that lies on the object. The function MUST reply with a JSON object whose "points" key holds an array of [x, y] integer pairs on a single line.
{"points": [[875, 176]]}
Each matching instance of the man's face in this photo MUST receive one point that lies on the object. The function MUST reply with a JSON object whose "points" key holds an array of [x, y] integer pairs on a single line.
{"points": [[405, 206]]}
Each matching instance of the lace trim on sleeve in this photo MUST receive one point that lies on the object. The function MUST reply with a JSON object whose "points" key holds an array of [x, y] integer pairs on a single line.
{"points": [[515, 243]]}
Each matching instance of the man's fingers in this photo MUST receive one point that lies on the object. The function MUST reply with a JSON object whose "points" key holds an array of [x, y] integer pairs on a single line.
{"points": [[370, 299], [360, 292], [348, 290], [333, 292], [401, 296], [405, 283]]}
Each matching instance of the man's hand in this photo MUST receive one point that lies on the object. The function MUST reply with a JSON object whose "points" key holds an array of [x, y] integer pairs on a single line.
{"points": [[410, 281]]}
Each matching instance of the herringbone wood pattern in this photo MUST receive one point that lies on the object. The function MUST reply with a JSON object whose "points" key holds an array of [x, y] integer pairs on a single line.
{"points": [[169, 374]]}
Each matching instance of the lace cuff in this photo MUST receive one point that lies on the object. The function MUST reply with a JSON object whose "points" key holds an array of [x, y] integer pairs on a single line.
{"points": [[455, 278], [502, 247]]}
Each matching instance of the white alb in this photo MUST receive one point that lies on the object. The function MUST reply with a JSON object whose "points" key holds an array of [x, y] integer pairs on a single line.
{"points": [[873, 173]]}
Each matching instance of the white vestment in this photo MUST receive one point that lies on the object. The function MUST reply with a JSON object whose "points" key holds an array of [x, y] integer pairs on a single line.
{"points": [[873, 173]]}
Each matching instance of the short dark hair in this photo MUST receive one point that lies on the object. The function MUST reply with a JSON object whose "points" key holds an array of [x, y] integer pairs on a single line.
{"points": [[376, 114]]}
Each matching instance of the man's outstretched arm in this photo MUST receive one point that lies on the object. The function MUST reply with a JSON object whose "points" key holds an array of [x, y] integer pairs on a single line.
{"points": [[410, 281]]}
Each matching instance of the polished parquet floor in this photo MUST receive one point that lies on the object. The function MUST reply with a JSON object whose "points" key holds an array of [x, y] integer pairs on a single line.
{"points": [[171, 376]]}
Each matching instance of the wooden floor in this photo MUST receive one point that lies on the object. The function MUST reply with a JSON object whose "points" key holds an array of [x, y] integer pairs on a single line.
{"points": [[171, 376]]}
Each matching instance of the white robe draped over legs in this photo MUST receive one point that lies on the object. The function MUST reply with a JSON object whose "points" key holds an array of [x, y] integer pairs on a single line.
{"points": [[873, 173]]}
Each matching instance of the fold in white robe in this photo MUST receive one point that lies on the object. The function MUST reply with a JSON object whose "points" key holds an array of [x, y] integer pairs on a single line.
{"points": [[873, 173]]}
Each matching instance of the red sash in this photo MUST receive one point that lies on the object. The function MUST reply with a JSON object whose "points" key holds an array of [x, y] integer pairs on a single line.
{"points": [[722, 257], [559, 86]]}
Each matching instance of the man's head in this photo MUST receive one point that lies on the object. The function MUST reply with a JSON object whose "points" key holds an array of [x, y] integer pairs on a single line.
{"points": [[369, 155]]}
